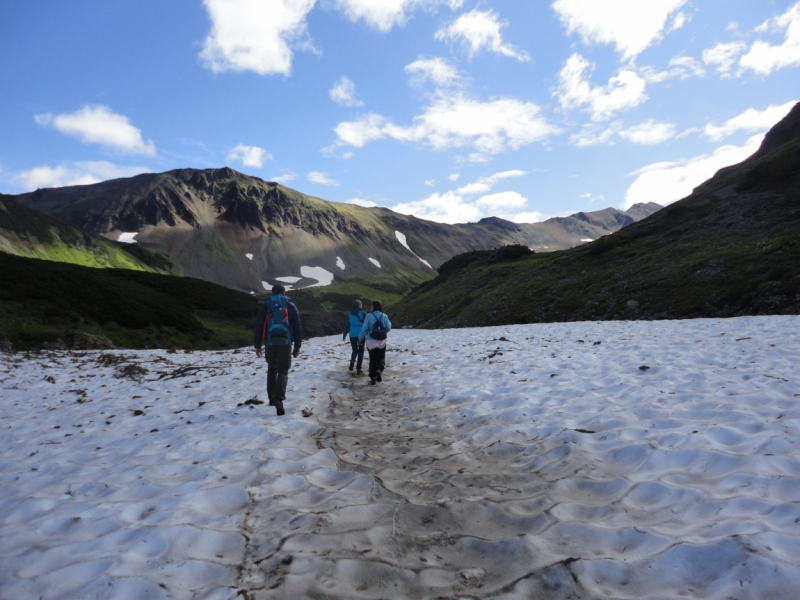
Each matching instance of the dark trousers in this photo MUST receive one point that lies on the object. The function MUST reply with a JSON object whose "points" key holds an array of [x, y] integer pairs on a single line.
{"points": [[358, 352], [377, 361], [279, 361]]}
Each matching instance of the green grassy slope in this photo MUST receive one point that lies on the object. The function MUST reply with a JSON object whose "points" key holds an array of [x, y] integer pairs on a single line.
{"points": [[27, 232], [40, 300], [731, 248]]}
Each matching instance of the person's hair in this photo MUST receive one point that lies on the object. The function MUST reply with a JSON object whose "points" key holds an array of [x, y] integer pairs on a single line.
{"points": [[357, 303], [278, 289], [376, 305]]}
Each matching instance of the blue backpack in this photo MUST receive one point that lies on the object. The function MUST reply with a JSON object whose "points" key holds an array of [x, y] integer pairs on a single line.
{"points": [[276, 325], [378, 330]]}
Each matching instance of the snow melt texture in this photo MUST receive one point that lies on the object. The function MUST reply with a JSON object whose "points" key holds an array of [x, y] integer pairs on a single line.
{"points": [[582, 460]]}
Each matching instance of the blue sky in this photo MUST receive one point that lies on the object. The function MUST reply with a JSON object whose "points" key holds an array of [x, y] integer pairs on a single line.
{"points": [[451, 110]]}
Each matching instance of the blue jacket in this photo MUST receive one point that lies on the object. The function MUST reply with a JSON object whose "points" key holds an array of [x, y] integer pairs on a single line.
{"points": [[370, 321], [294, 324], [353, 322]]}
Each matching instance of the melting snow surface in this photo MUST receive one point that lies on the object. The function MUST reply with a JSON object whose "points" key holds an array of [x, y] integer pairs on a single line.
{"points": [[375, 262], [249, 256], [322, 276], [401, 237], [289, 279], [603, 460], [340, 263], [587, 240], [128, 237], [266, 285]]}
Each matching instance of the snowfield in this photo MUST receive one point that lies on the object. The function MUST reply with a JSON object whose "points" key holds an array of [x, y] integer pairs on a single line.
{"points": [[573, 460]]}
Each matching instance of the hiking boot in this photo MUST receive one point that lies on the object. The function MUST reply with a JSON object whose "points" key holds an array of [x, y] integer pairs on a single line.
{"points": [[373, 381], [352, 364], [279, 408], [378, 376], [271, 403], [359, 372]]}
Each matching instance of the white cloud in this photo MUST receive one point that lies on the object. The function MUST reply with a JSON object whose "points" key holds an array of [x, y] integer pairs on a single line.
{"points": [[98, 124], [528, 217], [631, 25], [385, 14], [648, 133], [724, 55], [344, 93], [461, 206], [484, 184], [430, 182], [666, 182], [750, 120], [361, 202], [502, 201], [480, 30], [285, 178], [321, 178], [454, 177], [250, 156], [763, 57], [456, 121], [75, 173], [679, 66], [254, 35], [622, 91], [436, 69]]}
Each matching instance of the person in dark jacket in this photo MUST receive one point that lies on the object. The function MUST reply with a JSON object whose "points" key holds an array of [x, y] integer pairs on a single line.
{"points": [[278, 327], [352, 327], [374, 341]]}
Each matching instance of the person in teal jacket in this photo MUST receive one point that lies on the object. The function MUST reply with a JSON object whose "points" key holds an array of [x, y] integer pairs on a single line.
{"points": [[373, 333], [353, 323]]}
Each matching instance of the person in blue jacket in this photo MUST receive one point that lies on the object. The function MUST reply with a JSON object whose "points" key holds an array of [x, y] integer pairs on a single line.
{"points": [[373, 334], [278, 326], [353, 322]]}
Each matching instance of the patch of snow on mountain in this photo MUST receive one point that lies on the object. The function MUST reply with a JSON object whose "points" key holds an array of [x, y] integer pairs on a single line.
{"points": [[401, 237], [266, 285], [128, 237], [587, 240], [288, 279], [249, 256], [618, 459], [322, 276], [340, 263], [375, 262]]}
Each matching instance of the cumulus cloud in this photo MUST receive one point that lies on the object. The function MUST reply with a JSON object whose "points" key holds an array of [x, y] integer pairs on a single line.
{"points": [[98, 124], [528, 217], [470, 202], [763, 57], [456, 121], [73, 173], [250, 156], [750, 120], [284, 178], [321, 178], [385, 14], [648, 133], [255, 35], [724, 55], [623, 91], [680, 67], [344, 93], [631, 25], [666, 182], [453, 177], [480, 30], [361, 202], [436, 70]]}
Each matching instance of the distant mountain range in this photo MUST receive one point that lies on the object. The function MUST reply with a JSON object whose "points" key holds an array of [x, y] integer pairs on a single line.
{"points": [[247, 234], [731, 248]]}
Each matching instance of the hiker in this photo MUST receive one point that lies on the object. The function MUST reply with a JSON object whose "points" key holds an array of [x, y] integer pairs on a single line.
{"points": [[353, 322], [373, 334], [278, 326]]}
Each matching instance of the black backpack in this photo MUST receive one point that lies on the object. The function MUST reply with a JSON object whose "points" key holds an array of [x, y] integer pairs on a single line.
{"points": [[378, 331]]}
